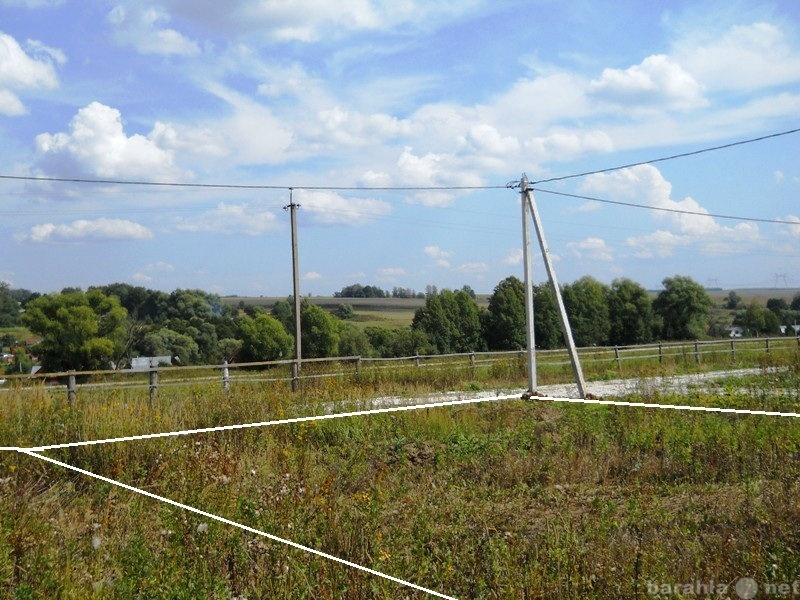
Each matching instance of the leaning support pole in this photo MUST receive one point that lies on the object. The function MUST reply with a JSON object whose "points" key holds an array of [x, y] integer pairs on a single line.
{"points": [[526, 254], [562, 313]]}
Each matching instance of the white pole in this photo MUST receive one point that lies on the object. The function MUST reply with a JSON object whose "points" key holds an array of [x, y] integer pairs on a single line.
{"points": [[526, 255], [296, 280], [562, 312]]}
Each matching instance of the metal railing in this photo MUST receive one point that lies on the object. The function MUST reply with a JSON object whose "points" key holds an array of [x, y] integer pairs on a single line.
{"points": [[287, 371]]}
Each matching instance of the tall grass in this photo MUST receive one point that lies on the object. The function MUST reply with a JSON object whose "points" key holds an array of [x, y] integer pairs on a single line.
{"points": [[509, 500]]}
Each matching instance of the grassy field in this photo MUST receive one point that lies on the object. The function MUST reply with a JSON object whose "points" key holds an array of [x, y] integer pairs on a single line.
{"points": [[508, 500], [378, 312]]}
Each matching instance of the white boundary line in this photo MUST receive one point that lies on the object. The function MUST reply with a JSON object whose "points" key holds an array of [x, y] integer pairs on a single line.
{"points": [[234, 524], [393, 409], [35, 452], [373, 411]]}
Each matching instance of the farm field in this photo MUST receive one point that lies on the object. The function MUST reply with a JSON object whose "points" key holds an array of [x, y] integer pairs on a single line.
{"points": [[379, 312], [512, 499]]}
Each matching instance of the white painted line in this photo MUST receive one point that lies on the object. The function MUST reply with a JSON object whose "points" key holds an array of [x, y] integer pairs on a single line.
{"points": [[393, 409], [373, 411], [687, 407], [234, 524]]}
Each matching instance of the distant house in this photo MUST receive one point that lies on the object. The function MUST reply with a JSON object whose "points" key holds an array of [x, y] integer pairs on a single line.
{"points": [[735, 331], [145, 363]]}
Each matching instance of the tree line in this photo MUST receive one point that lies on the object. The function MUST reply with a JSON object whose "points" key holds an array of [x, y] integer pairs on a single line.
{"points": [[109, 325]]}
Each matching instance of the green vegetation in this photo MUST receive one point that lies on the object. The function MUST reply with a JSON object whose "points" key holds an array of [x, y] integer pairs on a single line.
{"points": [[192, 324], [515, 499]]}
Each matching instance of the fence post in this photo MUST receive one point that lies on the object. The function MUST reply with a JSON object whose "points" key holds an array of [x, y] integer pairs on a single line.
{"points": [[733, 349], [358, 366], [153, 386], [295, 377], [416, 358], [660, 353], [767, 345], [616, 355], [472, 363], [226, 377], [71, 390], [697, 352]]}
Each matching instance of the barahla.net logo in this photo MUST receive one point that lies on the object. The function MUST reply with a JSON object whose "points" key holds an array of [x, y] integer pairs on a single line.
{"points": [[745, 588]]}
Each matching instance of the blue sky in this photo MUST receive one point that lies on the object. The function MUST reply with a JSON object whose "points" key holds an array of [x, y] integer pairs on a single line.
{"points": [[368, 93]]}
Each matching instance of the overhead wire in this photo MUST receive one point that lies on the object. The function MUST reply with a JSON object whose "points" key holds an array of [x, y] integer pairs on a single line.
{"points": [[237, 186], [669, 210], [667, 158]]}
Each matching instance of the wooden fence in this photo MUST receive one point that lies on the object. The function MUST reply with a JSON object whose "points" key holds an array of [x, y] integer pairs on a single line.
{"points": [[594, 359]]}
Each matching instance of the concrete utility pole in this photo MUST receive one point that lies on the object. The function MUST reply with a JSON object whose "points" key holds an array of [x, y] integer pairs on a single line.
{"points": [[551, 275], [296, 277], [526, 255]]}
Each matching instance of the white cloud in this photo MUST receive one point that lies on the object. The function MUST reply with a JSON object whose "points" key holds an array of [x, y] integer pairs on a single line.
{"points": [[311, 20], [432, 170], [390, 273], [252, 134], [485, 138], [339, 126], [442, 257], [645, 184], [514, 257], [592, 248], [794, 230], [21, 71], [156, 267], [33, 3], [656, 81], [566, 145], [231, 219], [100, 229], [141, 277], [142, 28], [330, 207], [473, 268], [97, 144], [746, 57], [659, 243], [11, 105], [312, 276]]}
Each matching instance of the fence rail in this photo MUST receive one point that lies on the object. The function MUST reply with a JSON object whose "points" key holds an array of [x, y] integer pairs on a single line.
{"points": [[320, 368]]}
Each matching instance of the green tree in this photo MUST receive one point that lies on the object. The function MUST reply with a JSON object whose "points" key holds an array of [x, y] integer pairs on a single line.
{"points": [[229, 349], [683, 306], [80, 331], [9, 308], [777, 305], [732, 301], [344, 312], [319, 330], [451, 321], [757, 320], [504, 325], [630, 313], [167, 342], [795, 305], [283, 310], [264, 338], [353, 341], [546, 324], [586, 301]]}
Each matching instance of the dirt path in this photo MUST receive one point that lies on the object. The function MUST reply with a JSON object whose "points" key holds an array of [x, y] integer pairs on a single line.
{"points": [[603, 389]]}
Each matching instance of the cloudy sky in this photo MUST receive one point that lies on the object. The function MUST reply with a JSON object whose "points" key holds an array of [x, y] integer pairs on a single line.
{"points": [[330, 98]]}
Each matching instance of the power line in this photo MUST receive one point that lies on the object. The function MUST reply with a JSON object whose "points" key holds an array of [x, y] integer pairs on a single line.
{"points": [[669, 210], [234, 186], [664, 158]]}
